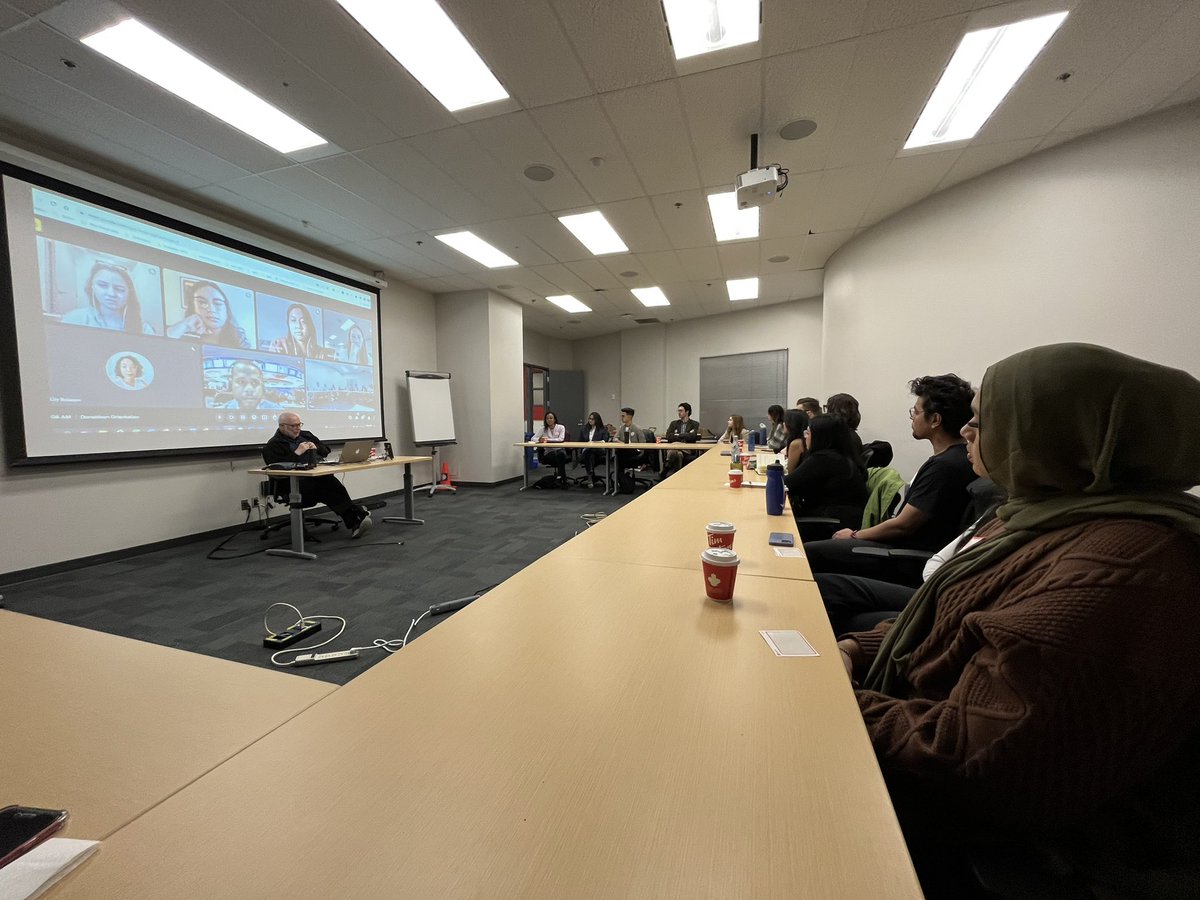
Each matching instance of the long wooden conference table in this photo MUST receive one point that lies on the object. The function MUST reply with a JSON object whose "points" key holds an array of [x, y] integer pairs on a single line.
{"points": [[592, 727]]}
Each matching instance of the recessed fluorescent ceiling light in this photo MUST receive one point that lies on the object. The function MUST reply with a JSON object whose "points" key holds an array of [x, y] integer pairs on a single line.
{"points": [[742, 288], [702, 26], [149, 54], [423, 39], [651, 296], [595, 233], [729, 222], [477, 248], [982, 71], [569, 303]]}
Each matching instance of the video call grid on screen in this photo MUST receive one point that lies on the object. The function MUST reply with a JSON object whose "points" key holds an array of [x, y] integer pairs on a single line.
{"points": [[137, 334]]}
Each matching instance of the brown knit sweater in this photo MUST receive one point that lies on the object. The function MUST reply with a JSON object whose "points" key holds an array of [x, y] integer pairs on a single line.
{"points": [[1052, 681]]}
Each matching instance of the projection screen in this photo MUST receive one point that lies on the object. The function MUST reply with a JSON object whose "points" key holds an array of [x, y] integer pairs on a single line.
{"points": [[128, 333]]}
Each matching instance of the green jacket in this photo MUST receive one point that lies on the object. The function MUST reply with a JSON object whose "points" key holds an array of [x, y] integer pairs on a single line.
{"points": [[882, 487]]}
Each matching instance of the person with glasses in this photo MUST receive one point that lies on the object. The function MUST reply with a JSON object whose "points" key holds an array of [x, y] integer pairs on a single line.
{"points": [[292, 444], [1038, 693], [112, 301], [933, 507], [810, 406], [209, 317]]}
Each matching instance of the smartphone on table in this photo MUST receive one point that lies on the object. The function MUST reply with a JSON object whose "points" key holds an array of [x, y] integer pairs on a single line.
{"points": [[24, 827], [781, 539]]}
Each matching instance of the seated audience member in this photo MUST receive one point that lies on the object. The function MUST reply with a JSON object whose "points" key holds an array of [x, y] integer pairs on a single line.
{"points": [[291, 444], [847, 596], [209, 317], [734, 428], [795, 424], [777, 436], [1042, 684], [810, 406], [830, 480], [248, 387], [553, 433], [932, 510], [683, 430], [845, 408], [112, 301], [593, 430], [628, 433]]}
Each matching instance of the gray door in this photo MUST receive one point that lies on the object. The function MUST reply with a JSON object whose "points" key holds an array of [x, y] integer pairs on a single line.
{"points": [[564, 389]]}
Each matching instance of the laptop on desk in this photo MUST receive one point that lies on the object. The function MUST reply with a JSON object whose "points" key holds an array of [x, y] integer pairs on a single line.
{"points": [[356, 452]]}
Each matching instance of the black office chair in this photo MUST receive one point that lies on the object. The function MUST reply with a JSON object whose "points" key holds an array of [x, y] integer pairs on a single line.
{"points": [[650, 466], [279, 492]]}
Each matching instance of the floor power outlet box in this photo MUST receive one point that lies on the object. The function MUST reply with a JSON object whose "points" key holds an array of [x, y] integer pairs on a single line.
{"points": [[289, 636]]}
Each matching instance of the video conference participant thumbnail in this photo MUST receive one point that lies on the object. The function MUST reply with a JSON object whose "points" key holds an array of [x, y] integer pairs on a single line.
{"points": [[247, 380], [348, 339], [97, 369], [338, 386], [81, 286], [214, 312], [288, 327]]}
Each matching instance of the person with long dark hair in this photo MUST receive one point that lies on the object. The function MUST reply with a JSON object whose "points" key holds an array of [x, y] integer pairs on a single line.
{"points": [[356, 347], [795, 425], [593, 430], [845, 407], [777, 436], [553, 433], [301, 338], [209, 317], [830, 480], [112, 301]]}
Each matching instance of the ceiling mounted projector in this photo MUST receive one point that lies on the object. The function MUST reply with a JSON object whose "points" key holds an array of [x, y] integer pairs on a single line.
{"points": [[759, 187]]}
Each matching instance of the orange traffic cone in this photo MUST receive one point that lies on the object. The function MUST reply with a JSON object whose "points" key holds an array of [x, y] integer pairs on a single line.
{"points": [[444, 482]]}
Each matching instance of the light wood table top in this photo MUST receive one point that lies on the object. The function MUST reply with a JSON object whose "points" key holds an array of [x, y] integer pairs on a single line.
{"points": [[339, 468], [640, 741], [666, 528], [107, 727]]}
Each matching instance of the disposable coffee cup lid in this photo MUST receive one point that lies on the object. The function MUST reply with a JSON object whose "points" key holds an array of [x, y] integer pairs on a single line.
{"points": [[720, 556], [721, 527]]}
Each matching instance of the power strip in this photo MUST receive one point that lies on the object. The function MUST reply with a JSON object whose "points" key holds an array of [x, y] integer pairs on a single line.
{"points": [[312, 659], [289, 636]]}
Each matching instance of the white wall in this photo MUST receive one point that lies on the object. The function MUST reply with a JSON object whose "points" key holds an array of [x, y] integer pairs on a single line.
{"points": [[550, 353], [654, 367], [1095, 240], [62, 512]]}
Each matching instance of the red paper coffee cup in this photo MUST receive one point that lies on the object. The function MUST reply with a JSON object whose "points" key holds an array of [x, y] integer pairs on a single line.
{"points": [[735, 478], [720, 566], [720, 534]]}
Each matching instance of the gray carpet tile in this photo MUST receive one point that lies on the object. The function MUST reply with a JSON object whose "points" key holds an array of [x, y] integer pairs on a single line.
{"points": [[177, 597]]}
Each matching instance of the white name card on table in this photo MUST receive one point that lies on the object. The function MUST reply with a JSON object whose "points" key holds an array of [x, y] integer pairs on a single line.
{"points": [[788, 643], [31, 875]]}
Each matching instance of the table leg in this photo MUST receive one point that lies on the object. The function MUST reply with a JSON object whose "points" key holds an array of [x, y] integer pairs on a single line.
{"points": [[524, 469], [610, 482], [296, 507], [407, 518]]}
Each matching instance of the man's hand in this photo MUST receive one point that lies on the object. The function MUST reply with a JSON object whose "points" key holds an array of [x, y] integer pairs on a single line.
{"points": [[305, 447], [848, 648], [843, 534]]}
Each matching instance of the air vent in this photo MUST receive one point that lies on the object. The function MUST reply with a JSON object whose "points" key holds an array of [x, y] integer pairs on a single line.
{"points": [[648, 321]]}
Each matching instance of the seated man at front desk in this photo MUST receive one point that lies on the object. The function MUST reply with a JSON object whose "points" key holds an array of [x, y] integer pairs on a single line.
{"points": [[291, 444]]}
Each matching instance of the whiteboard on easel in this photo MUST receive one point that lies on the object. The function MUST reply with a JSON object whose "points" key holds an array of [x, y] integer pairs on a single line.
{"points": [[432, 412]]}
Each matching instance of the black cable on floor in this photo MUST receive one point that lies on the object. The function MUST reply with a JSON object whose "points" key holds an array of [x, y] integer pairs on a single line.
{"points": [[212, 554]]}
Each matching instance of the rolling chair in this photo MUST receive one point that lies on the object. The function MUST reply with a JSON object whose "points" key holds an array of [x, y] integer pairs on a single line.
{"points": [[651, 463], [279, 491], [883, 494]]}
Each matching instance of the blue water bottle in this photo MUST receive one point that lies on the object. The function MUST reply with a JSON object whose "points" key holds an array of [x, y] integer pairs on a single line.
{"points": [[750, 436], [774, 489]]}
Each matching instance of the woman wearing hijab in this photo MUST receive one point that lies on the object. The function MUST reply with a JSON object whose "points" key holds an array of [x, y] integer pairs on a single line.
{"points": [[1046, 674]]}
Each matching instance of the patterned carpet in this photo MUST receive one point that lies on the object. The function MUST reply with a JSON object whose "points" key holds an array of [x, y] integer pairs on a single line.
{"points": [[470, 541]]}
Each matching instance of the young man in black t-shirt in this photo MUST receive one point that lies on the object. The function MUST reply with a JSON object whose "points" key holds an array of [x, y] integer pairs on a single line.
{"points": [[932, 511]]}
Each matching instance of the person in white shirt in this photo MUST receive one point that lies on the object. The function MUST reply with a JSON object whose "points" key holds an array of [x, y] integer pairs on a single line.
{"points": [[553, 433]]}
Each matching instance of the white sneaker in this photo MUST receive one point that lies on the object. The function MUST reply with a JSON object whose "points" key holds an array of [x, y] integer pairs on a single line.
{"points": [[363, 527]]}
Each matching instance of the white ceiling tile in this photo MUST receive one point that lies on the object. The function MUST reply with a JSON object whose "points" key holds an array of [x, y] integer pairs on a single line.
{"points": [[685, 218], [621, 43], [723, 107], [459, 155], [655, 136], [882, 15], [515, 142], [844, 196], [660, 268], [738, 259], [353, 174], [579, 131], [558, 279], [1162, 65], [412, 171], [10, 17], [907, 180], [790, 247], [797, 209], [700, 263], [894, 73], [1057, 137], [637, 224], [796, 26], [551, 236], [805, 85], [594, 275], [1189, 92], [975, 161], [316, 188], [301, 209], [333, 46], [244, 207], [819, 247], [396, 253], [544, 71], [507, 236]]}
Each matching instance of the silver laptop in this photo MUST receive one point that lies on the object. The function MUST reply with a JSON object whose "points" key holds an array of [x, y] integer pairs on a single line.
{"points": [[356, 451]]}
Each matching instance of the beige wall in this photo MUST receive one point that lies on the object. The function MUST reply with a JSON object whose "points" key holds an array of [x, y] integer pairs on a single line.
{"points": [[550, 353], [1095, 240]]}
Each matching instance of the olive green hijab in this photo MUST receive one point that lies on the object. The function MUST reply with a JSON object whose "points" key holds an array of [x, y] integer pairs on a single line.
{"points": [[1071, 432]]}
